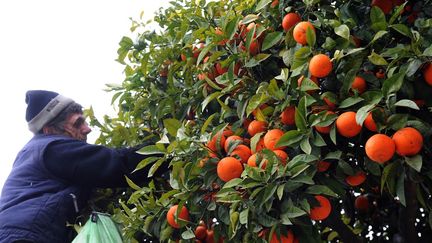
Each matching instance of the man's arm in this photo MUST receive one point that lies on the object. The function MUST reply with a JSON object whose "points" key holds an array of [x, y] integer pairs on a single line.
{"points": [[91, 165]]}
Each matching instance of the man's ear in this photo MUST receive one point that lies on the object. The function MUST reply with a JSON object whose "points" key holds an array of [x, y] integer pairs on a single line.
{"points": [[48, 130]]}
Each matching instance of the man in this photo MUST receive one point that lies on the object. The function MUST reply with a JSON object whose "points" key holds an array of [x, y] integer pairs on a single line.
{"points": [[53, 174]]}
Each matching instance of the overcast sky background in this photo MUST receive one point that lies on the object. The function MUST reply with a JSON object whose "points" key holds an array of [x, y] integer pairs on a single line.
{"points": [[65, 46]]}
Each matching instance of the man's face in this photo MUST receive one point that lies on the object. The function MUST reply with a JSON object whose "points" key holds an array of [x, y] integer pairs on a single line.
{"points": [[76, 127]]}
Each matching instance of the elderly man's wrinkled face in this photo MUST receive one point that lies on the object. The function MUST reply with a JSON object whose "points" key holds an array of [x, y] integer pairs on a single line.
{"points": [[76, 127]]}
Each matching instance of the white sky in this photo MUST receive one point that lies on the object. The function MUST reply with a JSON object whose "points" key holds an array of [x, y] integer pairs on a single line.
{"points": [[65, 46]]}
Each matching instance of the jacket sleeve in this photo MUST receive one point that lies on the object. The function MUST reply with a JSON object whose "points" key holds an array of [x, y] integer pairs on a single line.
{"points": [[85, 164]]}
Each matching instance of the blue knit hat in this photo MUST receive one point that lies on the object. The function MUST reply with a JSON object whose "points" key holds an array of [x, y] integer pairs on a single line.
{"points": [[42, 107]]}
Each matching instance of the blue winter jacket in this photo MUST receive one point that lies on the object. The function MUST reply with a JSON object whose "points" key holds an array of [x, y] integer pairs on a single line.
{"points": [[50, 181]]}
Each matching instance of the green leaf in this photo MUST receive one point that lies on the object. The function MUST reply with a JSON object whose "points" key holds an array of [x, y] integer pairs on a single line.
{"points": [[350, 101], [320, 189], [415, 162], [172, 125], [294, 212], [363, 112], [400, 188], [188, 234], [145, 162], [209, 98], [244, 215], [207, 123], [300, 114], [305, 146], [401, 28], [397, 121], [233, 183], [428, 52], [271, 39], [393, 84], [343, 31], [388, 176], [378, 19], [151, 149], [231, 27], [377, 59], [261, 4], [132, 184], [280, 191], [413, 66], [407, 103], [155, 166], [310, 37], [379, 34], [289, 138]]}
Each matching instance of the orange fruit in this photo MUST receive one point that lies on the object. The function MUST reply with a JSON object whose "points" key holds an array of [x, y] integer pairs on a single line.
{"points": [[385, 5], [197, 49], [320, 66], [323, 210], [288, 116], [299, 32], [324, 129], [290, 20], [427, 74], [356, 179], [183, 214], [323, 165], [229, 168], [212, 143], [380, 73], [256, 127], [200, 232], [274, 3], [255, 47], [380, 148], [289, 238], [283, 156], [346, 124], [359, 84], [329, 103], [369, 123], [261, 107], [408, 141], [231, 139], [361, 203], [243, 152], [272, 137], [252, 161], [260, 145]]}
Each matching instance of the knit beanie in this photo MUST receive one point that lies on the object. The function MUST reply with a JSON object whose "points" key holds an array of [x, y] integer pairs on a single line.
{"points": [[42, 107]]}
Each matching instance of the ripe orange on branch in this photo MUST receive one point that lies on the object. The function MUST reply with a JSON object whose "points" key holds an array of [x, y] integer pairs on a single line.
{"points": [[243, 152], [229, 168], [322, 211], [359, 84], [408, 141], [356, 179], [256, 126], [289, 238], [427, 74], [346, 124], [299, 32], [183, 214], [272, 137], [290, 20], [288, 116], [320, 65], [380, 148]]}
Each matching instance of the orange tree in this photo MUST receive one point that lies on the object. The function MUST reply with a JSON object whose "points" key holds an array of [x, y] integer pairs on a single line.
{"points": [[300, 128]]}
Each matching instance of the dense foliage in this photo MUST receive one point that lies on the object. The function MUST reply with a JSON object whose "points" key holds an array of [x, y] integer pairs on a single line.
{"points": [[317, 95]]}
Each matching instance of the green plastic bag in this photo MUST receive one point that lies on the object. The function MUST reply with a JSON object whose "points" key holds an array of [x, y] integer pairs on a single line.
{"points": [[99, 228]]}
